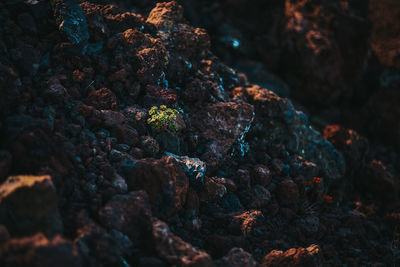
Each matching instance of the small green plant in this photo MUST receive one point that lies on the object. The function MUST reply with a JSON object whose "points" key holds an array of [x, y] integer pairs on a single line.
{"points": [[163, 118]]}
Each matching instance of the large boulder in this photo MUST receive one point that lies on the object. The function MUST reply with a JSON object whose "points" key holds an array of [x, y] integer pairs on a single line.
{"points": [[164, 180], [385, 42], [328, 42], [129, 214], [176, 251], [282, 123], [223, 124], [39, 251], [28, 204]]}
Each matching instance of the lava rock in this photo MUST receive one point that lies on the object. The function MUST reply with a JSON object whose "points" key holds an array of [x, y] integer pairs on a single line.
{"points": [[72, 21], [287, 192], [149, 145], [33, 202], [176, 251], [237, 257], [262, 175], [378, 180], [245, 222], [224, 124], [310, 256], [164, 180], [384, 16], [213, 190], [37, 250], [281, 123], [129, 214], [103, 98], [5, 164], [194, 167]]}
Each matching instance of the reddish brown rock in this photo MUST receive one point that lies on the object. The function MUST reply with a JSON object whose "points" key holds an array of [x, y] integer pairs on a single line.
{"points": [[149, 52], [245, 222], [165, 15], [385, 42], [37, 250], [329, 44], [353, 146], [103, 98], [176, 251], [310, 256], [165, 182], [33, 202]]}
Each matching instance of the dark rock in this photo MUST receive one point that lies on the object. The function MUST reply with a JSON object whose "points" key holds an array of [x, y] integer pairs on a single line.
{"points": [[33, 202], [112, 118], [129, 214], [194, 167], [260, 197], [353, 146], [4, 234], [287, 192], [29, 59], [237, 257], [213, 190], [97, 246], [310, 256], [220, 245], [103, 98], [224, 124], [126, 134], [37, 250], [384, 16], [230, 202], [262, 175], [5, 164], [149, 145], [377, 179], [169, 141], [165, 182], [381, 114], [176, 251], [27, 22], [228, 183], [72, 21], [317, 33], [285, 125]]}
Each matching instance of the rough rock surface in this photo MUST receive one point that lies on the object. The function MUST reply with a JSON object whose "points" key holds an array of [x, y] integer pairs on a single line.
{"points": [[174, 250], [164, 180], [278, 117], [28, 204], [251, 180], [310, 256], [38, 250]]}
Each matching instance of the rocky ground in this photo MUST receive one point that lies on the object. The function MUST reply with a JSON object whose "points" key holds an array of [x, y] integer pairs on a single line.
{"points": [[288, 140]]}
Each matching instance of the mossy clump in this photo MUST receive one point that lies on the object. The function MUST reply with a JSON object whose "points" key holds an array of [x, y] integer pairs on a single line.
{"points": [[163, 118]]}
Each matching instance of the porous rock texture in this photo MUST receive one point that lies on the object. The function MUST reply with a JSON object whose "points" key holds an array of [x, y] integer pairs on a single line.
{"points": [[247, 179]]}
